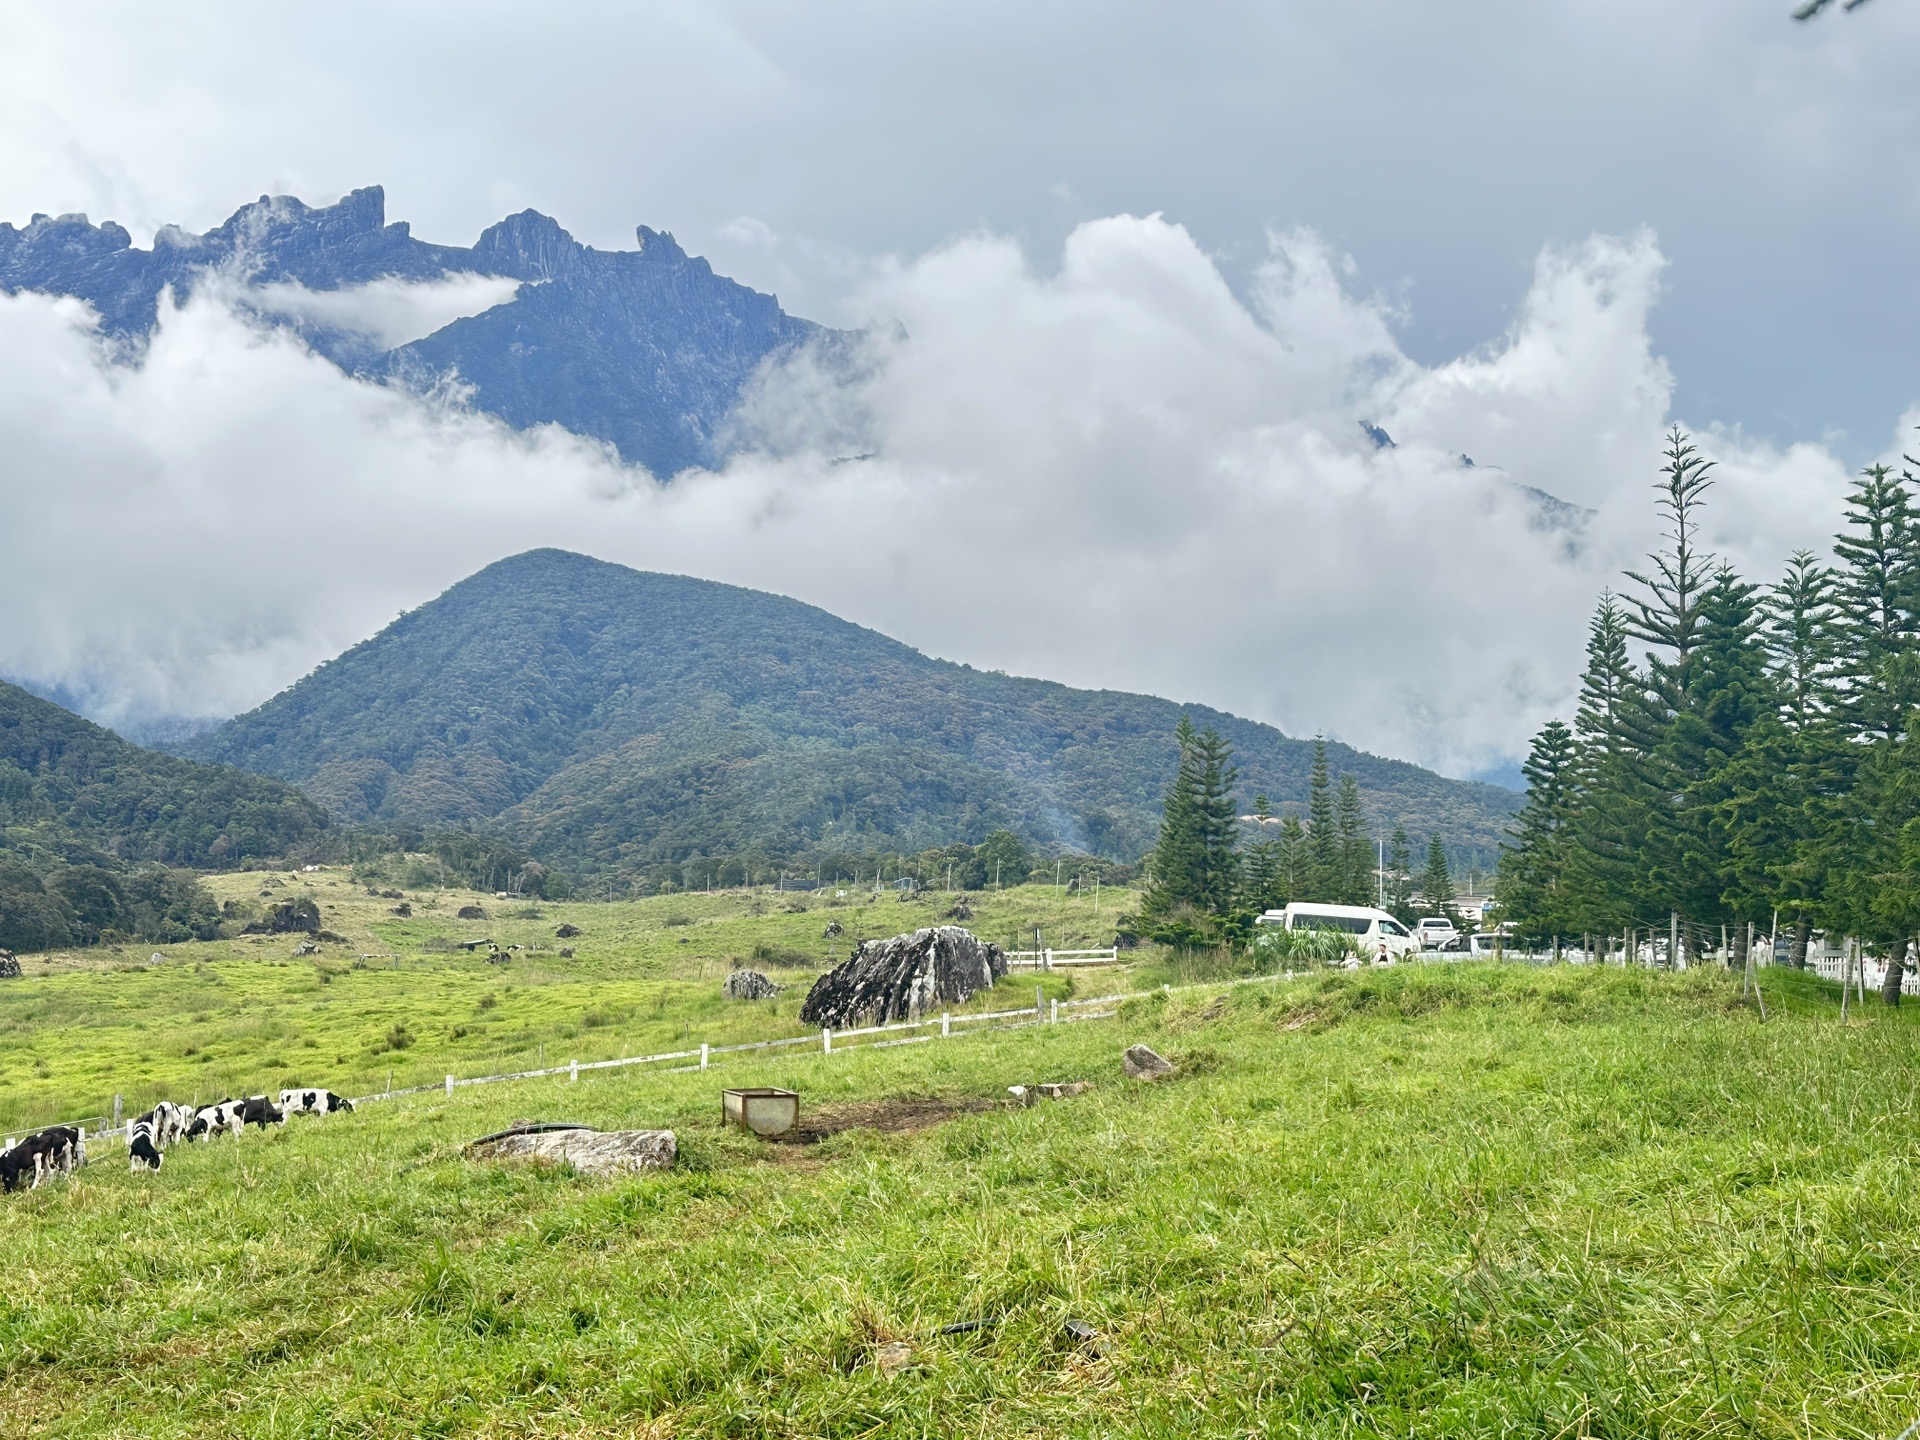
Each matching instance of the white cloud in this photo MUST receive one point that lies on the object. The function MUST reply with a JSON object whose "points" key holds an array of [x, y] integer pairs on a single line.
{"points": [[388, 311], [1115, 473]]}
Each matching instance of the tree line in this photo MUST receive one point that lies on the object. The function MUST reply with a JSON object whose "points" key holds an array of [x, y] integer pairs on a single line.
{"points": [[1742, 755], [1205, 887]]}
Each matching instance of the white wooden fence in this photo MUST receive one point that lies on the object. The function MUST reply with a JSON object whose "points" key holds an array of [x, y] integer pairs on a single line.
{"points": [[1061, 959]]}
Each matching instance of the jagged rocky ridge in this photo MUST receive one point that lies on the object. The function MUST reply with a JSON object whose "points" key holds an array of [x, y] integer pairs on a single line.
{"points": [[647, 349], [905, 977]]}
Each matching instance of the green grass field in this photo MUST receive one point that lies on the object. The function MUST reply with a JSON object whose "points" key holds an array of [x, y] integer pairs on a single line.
{"points": [[397, 1002], [1436, 1200]]}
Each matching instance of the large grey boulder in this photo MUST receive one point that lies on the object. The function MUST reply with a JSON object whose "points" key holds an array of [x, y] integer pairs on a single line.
{"points": [[748, 985], [904, 978]]}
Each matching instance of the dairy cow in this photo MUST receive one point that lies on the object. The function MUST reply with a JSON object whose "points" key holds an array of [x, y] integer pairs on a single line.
{"points": [[142, 1151], [168, 1122], [313, 1102], [56, 1148], [210, 1119], [259, 1110]]}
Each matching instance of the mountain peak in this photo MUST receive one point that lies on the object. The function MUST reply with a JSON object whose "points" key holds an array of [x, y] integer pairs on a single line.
{"points": [[647, 349]]}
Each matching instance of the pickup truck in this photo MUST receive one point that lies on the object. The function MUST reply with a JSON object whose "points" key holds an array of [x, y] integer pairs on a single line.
{"points": [[1434, 931]]}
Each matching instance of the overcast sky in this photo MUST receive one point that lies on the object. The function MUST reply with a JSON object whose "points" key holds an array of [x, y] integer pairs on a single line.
{"points": [[1750, 185]]}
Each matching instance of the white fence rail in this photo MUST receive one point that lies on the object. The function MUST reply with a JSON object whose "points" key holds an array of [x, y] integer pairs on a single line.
{"points": [[1061, 959]]}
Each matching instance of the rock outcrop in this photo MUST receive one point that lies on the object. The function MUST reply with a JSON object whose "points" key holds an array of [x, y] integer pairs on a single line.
{"points": [[749, 985], [905, 977], [591, 1152]]}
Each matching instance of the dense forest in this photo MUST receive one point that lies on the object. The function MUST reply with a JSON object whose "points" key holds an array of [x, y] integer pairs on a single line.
{"points": [[1741, 751], [97, 835], [625, 725]]}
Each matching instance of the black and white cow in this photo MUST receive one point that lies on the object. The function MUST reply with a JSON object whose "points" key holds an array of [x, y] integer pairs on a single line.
{"points": [[313, 1102], [56, 1148], [142, 1151], [259, 1110], [170, 1122], [167, 1121], [209, 1120]]}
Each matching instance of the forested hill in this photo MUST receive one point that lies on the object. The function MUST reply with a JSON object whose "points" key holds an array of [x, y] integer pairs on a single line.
{"points": [[608, 718], [73, 792]]}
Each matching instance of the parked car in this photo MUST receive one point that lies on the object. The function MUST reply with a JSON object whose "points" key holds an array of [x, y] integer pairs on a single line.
{"points": [[1482, 943], [1434, 932], [1380, 936]]}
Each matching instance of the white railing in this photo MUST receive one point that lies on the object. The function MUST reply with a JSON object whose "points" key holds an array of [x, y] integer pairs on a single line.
{"points": [[1061, 959]]}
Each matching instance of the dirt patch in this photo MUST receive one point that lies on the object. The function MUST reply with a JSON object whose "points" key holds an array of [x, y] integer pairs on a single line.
{"points": [[899, 1116]]}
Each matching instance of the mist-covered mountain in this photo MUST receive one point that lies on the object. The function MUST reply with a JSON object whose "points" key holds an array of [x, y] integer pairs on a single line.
{"points": [[647, 349], [606, 718]]}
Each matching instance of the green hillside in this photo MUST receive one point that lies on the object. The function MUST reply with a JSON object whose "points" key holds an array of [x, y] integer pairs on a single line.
{"points": [[607, 718], [89, 824]]}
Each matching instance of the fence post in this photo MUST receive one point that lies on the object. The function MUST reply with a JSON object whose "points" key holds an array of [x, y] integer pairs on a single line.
{"points": [[573, 1073], [946, 1024], [449, 1087], [1039, 1009], [1053, 1012], [703, 1055], [826, 1041], [116, 1112]]}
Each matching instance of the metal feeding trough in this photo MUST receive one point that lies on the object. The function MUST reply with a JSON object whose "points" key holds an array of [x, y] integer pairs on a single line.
{"points": [[764, 1111]]}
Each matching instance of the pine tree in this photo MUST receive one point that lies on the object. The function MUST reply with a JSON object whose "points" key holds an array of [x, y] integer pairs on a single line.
{"points": [[1175, 866], [1261, 888], [1357, 885], [1195, 867], [1219, 827], [1323, 830], [1400, 878], [1802, 633], [1436, 883], [1293, 860], [1878, 591], [1533, 885], [1617, 799]]}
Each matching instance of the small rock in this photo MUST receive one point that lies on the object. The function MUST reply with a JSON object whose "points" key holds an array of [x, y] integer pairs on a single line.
{"points": [[567, 932], [1140, 1063], [566, 952], [1021, 1095], [1081, 1333], [832, 932], [893, 1357], [156, 958], [1066, 1092]]}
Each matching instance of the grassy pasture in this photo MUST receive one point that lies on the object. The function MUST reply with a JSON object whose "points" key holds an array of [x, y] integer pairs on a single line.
{"points": [[397, 1000], [1460, 1200]]}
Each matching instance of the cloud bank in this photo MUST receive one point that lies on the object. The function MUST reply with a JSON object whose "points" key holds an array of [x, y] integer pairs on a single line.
{"points": [[1113, 471]]}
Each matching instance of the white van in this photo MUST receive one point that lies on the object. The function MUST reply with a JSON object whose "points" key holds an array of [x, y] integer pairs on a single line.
{"points": [[1378, 933]]}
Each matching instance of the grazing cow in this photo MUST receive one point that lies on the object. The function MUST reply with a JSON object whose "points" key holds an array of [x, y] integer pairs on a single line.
{"points": [[58, 1147], [259, 1110], [168, 1122], [313, 1102], [141, 1149], [210, 1118]]}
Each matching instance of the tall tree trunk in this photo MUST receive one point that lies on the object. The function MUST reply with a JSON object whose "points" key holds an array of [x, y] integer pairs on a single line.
{"points": [[1797, 951], [1896, 969]]}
